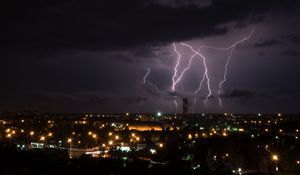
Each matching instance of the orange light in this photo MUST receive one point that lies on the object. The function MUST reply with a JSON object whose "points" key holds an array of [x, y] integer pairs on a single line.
{"points": [[275, 157]]}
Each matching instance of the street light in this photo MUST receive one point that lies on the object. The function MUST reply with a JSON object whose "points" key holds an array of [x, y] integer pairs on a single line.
{"points": [[275, 159], [95, 137], [70, 144], [110, 142], [239, 171], [42, 138]]}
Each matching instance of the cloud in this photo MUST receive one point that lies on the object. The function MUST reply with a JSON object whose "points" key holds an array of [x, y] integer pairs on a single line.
{"points": [[293, 39], [81, 96], [117, 24], [135, 100], [238, 93], [267, 43], [148, 89], [146, 51], [281, 40], [126, 58], [290, 52]]}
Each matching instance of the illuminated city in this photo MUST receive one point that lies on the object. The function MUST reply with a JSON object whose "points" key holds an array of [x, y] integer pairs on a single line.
{"points": [[193, 140]]}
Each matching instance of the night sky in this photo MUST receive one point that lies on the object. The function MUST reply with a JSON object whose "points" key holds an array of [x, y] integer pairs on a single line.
{"points": [[91, 56]]}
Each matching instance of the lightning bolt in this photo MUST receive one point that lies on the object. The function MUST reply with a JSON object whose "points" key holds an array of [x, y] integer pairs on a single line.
{"points": [[146, 75], [231, 49], [175, 68], [205, 75], [177, 77]]}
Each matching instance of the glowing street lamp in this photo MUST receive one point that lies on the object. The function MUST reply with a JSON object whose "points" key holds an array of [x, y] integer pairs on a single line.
{"points": [[158, 114], [42, 138], [275, 158], [69, 140], [110, 142], [239, 170]]}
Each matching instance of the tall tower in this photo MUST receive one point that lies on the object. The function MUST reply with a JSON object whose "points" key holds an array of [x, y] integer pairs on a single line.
{"points": [[184, 105]]}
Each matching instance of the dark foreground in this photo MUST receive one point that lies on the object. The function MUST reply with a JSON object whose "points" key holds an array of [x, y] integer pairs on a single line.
{"points": [[50, 161]]}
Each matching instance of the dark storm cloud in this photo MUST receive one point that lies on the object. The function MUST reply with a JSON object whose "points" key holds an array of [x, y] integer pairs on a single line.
{"points": [[146, 51], [126, 58], [238, 93], [76, 50], [82, 96], [261, 53], [267, 42], [254, 18], [293, 39], [137, 55], [135, 100], [250, 94], [280, 40], [148, 89], [290, 52], [114, 24]]}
